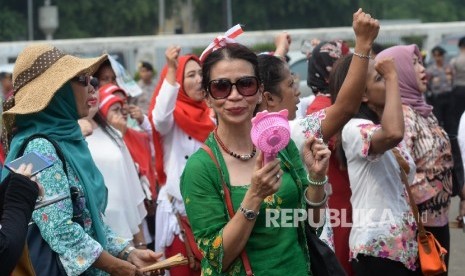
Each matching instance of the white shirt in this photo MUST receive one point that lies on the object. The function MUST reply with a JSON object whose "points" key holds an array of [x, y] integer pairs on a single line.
{"points": [[383, 224], [461, 138], [125, 209], [177, 145]]}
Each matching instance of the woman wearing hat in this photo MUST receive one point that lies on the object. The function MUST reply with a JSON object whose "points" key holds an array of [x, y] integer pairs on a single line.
{"points": [[51, 93]]}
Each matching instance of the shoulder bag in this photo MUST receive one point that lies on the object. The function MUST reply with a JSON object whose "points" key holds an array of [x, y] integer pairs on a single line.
{"points": [[229, 205], [43, 259], [430, 252]]}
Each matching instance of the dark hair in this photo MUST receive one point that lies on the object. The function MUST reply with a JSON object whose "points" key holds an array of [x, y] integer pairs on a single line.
{"points": [[336, 80], [462, 42], [5, 75], [146, 65], [438, 49], [230, 51], [106, 63], [271, 73], [376, 48]]}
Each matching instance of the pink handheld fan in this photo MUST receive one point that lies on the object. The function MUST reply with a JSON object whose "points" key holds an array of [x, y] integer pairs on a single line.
{"points": [[270, 133]]}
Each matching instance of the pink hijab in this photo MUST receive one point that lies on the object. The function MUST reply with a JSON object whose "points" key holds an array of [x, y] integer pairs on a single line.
{"points": [[408, 86]]}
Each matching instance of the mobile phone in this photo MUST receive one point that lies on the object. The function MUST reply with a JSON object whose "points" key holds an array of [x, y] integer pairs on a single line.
{"points": [[38, 161], [47, 201]]}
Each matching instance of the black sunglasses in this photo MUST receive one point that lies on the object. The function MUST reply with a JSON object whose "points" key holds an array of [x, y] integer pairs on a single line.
{"points": [[82, 79], [221, 88]]}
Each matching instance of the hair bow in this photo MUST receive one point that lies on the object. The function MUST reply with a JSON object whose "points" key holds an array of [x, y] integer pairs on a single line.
{"points": [[222, 40]]}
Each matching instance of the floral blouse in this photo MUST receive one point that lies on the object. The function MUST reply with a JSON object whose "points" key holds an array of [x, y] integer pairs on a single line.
{"points": [[76, 245], [383, 224], [430, 148]]}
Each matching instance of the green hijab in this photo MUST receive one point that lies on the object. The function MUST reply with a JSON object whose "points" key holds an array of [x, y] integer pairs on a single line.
{"points": [[59, 122]]}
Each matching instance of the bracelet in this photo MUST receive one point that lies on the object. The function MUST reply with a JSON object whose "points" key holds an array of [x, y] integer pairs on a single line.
{"points": [[140, 244], [313, 204], [126, 252], [317, 183], [362, 55]]}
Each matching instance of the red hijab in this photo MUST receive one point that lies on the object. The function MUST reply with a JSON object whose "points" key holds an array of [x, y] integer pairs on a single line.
{"points": [[191, 116]]}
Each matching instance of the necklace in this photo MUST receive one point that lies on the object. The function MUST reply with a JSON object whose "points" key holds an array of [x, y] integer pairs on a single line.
{"points": [[243, 157]]}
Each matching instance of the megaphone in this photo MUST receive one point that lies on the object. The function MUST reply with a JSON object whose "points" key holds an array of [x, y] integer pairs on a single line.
{"points": [[270, 133]]}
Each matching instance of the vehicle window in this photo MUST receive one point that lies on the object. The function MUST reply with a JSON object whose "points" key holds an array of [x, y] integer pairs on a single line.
{"points": [[300, 68]]}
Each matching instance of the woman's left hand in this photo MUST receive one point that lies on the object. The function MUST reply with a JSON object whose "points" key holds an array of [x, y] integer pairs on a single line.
{"points": [[316, 157], [143, 258]]}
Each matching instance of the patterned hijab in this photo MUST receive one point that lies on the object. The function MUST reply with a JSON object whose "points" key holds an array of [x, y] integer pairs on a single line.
{"points": [[58, 121], [408, 86], [321, 62]]}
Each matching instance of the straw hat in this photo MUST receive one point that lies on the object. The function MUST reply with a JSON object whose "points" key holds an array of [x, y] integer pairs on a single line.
{"points": [[40, 71]]}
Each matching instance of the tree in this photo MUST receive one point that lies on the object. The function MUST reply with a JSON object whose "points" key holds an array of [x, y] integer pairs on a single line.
{"points": [[90, 18]]}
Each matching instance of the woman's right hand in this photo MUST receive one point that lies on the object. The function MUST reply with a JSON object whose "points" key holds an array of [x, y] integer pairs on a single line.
{"points": [[365, 27], [266, 179]]}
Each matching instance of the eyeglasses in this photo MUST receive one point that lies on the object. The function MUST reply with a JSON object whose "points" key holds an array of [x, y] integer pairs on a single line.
{"points": [[221, 88], [94, 82], [82, 79]]}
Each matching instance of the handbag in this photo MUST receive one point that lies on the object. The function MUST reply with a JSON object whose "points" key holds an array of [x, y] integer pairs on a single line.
{"points": [[323, 260], [229, 206], [430, 252], [43, 259], [457, 171]]}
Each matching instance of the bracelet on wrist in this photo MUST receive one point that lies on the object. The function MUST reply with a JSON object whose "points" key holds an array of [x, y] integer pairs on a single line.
{"points": [[368, 57], [140, 244], [317, 204], [126, 252], [317, 183]]}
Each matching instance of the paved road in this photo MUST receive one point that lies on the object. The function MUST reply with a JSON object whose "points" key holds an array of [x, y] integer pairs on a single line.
{"points": [[457, 251]]}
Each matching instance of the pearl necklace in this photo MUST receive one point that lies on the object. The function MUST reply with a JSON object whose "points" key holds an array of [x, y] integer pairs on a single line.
{"points": [[243, 157]]}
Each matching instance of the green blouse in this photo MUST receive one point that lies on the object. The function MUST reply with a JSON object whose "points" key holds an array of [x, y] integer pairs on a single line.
{"points": [[274, 249]]}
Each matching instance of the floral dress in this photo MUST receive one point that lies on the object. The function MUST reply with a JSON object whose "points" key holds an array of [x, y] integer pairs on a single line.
{"points": [[77, 246]]}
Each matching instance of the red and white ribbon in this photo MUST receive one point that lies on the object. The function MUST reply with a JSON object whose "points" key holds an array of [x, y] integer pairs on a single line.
{"points": [[222, 40]]}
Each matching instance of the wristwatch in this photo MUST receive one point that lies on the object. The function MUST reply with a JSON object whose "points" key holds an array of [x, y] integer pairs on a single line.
{"points": [[249, 214], [126, 252]]}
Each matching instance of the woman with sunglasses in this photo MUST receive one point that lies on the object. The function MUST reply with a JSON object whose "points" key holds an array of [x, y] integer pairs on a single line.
{"points": [[182, 122], [51, 94], [232, 81], [281, 187]]}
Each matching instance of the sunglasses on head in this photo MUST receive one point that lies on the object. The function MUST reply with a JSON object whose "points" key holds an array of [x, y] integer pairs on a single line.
{"points": [[221, 88], [82, 79]]}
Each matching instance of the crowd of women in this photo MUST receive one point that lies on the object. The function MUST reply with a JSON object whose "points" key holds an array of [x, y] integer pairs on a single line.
{"points": [[193, 155]]}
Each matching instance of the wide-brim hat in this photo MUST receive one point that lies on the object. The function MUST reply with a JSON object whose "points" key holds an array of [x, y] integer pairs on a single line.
{"points": [[39, 72]]}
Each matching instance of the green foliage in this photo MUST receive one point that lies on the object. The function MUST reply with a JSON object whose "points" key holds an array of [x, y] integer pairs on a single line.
{"points": [[103, 18], [418, 40], [13, 25]]}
